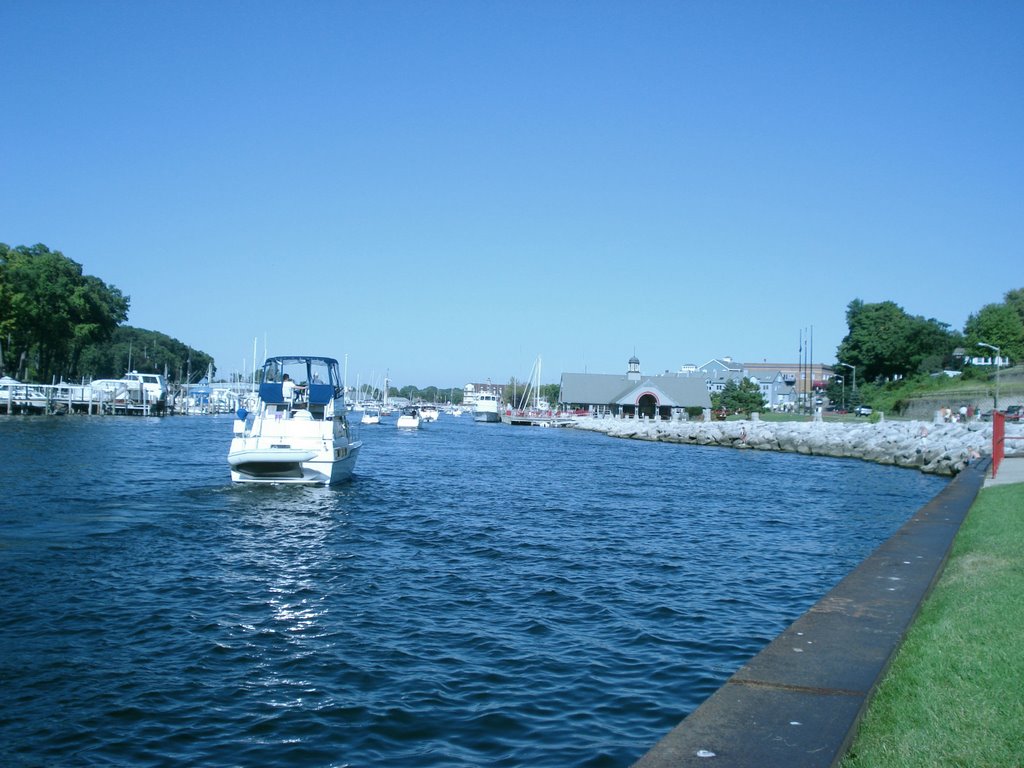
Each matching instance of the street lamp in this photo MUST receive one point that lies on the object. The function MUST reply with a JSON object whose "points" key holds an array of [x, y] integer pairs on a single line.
{"points": [[998, 360], [854, 369], [842, 380]]}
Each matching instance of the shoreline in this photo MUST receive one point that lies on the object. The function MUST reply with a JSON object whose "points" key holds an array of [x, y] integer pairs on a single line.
{"points": [[934, 448], [800, 700]]}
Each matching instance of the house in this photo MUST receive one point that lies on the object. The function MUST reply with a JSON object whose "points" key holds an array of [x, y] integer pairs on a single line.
{"points": [[719, 371], [778, 390], [793, 372], [781, 384], [633, 394]]}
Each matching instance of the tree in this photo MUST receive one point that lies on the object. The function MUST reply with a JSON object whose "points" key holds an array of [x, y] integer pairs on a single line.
{"points": [[742, 397], [930, 345], [51, 311], [131, 348], [999, 325], [884, 341], [1015, 299]]}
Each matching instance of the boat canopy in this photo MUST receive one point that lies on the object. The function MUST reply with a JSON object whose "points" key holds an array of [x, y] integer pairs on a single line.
{"points": [[320, 375]]}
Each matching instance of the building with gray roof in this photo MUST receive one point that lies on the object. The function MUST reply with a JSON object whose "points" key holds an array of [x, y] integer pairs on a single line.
{"points": [[633, 394]]}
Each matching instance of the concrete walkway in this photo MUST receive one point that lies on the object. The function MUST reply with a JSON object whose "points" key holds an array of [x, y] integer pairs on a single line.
{"points": [[797, 704], [1010, 471]]}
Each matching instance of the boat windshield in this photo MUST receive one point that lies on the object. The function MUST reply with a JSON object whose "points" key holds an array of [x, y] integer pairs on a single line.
{"points": [[302, 370]]}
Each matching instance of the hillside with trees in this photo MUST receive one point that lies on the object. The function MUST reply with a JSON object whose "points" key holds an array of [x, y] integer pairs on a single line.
{"points": [[885, 342], [56, 322], [899, 356]]}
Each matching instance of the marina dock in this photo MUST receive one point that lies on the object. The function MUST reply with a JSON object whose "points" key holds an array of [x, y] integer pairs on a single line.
{"points": [[64, 398], [55, 399]]}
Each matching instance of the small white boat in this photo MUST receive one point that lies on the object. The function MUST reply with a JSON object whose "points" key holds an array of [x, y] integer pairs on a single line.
{"points": [[409, 418], [18, 397], [428, 413], [370, 416], [296, 434], [487, 408]]}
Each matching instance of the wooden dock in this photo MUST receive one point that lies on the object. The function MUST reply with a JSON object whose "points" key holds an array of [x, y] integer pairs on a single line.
{"points": [[49, 399]]}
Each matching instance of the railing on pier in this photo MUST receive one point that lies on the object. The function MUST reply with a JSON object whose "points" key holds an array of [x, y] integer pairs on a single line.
{"points": [[67, 398], [998, 440]]}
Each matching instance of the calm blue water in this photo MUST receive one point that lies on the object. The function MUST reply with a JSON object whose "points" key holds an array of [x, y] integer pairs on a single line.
{"points": [[479, 595]]}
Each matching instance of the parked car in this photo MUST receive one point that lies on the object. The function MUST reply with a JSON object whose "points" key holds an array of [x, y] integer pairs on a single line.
{"points": [[863, 410], [1014, 412]]}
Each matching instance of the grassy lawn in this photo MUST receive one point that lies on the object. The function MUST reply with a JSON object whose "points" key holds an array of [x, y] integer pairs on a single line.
{"points": [[954, 695]]}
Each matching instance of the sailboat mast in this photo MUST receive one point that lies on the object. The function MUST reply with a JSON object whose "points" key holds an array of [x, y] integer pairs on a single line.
{"points": [[536, 392]]}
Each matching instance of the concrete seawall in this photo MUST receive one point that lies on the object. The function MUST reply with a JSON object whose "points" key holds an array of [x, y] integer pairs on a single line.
{"points": [[941, 449], [797, 704]]}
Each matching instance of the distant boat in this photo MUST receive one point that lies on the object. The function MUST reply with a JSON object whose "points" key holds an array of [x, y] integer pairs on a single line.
{"points": [[428, 413], [370, 416], [487, 408], [298, 434], [15, 396], [409, 418], [133, 387]]}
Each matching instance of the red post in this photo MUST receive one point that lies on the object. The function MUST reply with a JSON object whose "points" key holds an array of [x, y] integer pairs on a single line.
{"points": [[998, 440]]}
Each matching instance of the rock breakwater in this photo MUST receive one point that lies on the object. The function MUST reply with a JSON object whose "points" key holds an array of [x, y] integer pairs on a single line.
{"points": [[941, 449]]}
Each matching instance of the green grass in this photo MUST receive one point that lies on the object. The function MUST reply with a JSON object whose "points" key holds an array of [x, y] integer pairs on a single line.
{"points": [[954, 695], [892, 397]]}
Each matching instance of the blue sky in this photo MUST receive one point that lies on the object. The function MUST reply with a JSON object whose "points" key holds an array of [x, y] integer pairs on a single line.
{"points": [[447, 190]]}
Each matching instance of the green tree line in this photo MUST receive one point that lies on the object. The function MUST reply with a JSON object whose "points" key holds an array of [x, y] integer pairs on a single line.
{"points": [[56, 322], [884, 342]]}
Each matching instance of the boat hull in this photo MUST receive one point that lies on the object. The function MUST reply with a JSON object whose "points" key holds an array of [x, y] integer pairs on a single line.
{"points": [[274, 466], [489, 417]]}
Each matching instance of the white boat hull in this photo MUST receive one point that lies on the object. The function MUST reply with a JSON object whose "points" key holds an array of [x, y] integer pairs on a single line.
{"points": [[292, 439], [487, 408], [269, 466]]}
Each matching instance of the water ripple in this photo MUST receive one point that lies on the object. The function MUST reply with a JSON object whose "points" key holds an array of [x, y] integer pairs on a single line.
{"points": [[478, 595]]}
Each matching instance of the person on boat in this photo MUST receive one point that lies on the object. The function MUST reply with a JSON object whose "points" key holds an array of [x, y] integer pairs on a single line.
{"points": [[288, 388]]}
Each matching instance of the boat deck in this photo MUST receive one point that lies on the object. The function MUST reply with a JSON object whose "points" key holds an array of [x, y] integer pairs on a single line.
{"points": [[526, 419]]}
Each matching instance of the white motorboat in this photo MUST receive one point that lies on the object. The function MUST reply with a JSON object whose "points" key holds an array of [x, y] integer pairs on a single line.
{"points": [[487, 408], [428, 413], [370, 416], [409, 418], [133, 387], [18, 397], [299, 433]]}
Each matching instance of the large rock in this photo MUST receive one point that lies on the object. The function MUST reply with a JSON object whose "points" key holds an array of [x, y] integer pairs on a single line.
{"points": [[942, 449]]}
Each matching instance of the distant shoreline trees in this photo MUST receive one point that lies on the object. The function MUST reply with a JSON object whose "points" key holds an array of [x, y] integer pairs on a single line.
{"points": [[57, 322], [884, 342]]}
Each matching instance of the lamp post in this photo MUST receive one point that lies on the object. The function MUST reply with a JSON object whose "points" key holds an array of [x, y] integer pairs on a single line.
{"points": [[854, 369], [997, 361], [842, 380]]}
